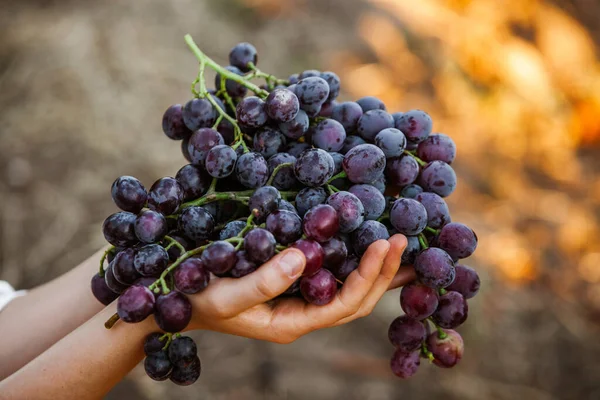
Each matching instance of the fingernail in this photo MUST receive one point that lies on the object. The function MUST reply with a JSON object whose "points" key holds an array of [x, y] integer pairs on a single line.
{"points": [[291, 264]]}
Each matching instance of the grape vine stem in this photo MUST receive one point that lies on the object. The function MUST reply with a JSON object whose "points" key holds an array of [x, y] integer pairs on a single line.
{"points": [[103, 258], [340, 175], [276, 170], [423, 241], [417, 159]]}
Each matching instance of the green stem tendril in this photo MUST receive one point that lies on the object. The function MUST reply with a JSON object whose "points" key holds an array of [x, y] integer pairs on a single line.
{"points": [[332, 189], [426, 352], [340, 175], [169, 337], [213, 185], [442, 291], [111, 321], [280, 247], [430, 229], [441, 333], [218, 121], [276, 170], [423, 241], [110, 250], [223, 91], [173, 242], [270, 79], [417, 159], [384, 216], [286, 195], [209, 198]]}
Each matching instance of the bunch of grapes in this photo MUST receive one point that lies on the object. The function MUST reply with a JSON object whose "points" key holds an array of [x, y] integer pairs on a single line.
{"points": [[288, 166]]}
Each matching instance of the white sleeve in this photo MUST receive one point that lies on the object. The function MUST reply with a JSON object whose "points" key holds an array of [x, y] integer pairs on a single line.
{"points": [[7, 294]]}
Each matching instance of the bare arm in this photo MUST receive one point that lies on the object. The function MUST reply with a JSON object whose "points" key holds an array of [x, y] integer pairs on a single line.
{"points": [[46, 314]]}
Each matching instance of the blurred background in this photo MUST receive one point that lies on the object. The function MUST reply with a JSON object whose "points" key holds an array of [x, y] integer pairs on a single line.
{"points": [[515, 83]]}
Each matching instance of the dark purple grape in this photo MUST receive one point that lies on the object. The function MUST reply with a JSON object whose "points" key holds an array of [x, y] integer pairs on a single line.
{"points": [[313, 253], [418, 301], [112, 282], [434, 268], [351, 142], [295, 148], [226, 129], [397, 116], [201, 142], [458, 240], [343, 270], [287, 206], [264, 201], [452, 310], [411, 191], [320, 288], [135, 304], [151, 260], [252, 170], [438, 213], [190, 276], [118, 229], [347, 113], [173, 312], [404, 365], [219, 257], [243, 265], [199, 113], [268, 142], [314, 167], [335, 253], [366, 234], [129, 194], [184, 149], [296, 127], [371, 198], [415, 124], [406, 333], [408, 216], [173, 125], [157, 366], [153, 343], [286, 226], [438, 177], [282, 105], [321, 223], [372, 122], [101, 291], [182, 351], [251, 112], [312, 91], [466, 281], [380, 184], [338, 160], [146, 281], [309, 73], [233, 88], [413, 247], [196, 223], [194, 181], [285, 178], [259, 245], [220, 161], [165, 196], [364, 163], [123, 267], [293, 79], [402, 171], [447, 352], [334, 84], [307, 198], [349, 208], [187, 374], [327, 108], [232, 229], [437, 147], [241, 55], [329, 135], [391, 141], [150, 226], [369, 103]]}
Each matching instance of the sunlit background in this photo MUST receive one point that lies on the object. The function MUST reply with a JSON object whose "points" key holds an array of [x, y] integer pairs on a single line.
{"points": [[516, 84]]}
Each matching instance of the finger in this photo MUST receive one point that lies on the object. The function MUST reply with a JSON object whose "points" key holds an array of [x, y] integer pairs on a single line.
{"points": [[227, 297], [388, 272], [405, 275]]}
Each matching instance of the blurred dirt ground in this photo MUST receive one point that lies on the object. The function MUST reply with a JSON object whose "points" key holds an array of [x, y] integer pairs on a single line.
{"points": [[83, 86]]}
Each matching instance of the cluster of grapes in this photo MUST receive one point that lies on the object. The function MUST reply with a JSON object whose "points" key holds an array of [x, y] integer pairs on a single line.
{"points": [[288, 167]]}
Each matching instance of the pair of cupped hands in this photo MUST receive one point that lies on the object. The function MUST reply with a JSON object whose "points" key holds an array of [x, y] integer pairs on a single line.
{"points": [[244, 306]]}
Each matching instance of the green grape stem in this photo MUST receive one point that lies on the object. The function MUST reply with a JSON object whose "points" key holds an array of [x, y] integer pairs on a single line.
{"points": [[417, 159], [423, 241], [340, 175], [111, 321], [276, 170], [169, 337], [103, 258], [432, 230], [426, 352]]}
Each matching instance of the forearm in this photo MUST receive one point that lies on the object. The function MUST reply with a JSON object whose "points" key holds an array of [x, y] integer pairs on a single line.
{"points": [[87, 363], [46, 314]]}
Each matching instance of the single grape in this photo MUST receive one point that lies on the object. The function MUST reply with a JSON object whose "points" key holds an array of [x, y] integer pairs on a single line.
{"points": [[327, 108], [259, 245], [314, 167], [347, 113], [219, 257], [404, 365], [408, 216], [313, 253], [194, 181], [307, 198], [294, 78], [312, 91], [182, 351], [369, 103], [406, 333], [329, 135], [150, 226], [372, 122], [335, 253], [199, 113], [191, 276], [418, 301], [264, 201], [123, 267], [251, 112], [241, 55], [268, 142], [286, 226], [334, 84], [186, 375], [118, 229], [135, 304], [296, 127], [391, 141], [466, 281], [338, 160], [173, 312], [157, 366], [282, 105], [439, 178], [434, 268], [173, 125], [415, 124], [153, 343], [413, 247], [402, 171], [184, 149], [364, 163], [320, 288], [232, 229], [129, 194], [351, 142], [285, 178], [233, 88], [295, 148], [321, 223], [252, 170], [458, 240], [243, 265], [165, 196], [438, 213], [366, 234], [380, 184], [220, 161], [452, 310], [411, 191], [447, 352], [196, 223], [112, 282], [349, 208], [151, 260], [437, 147], [287, 206], [101, 291], [226, 129], [343, 270], [201, 142], [309, 73], [371, 198]]}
